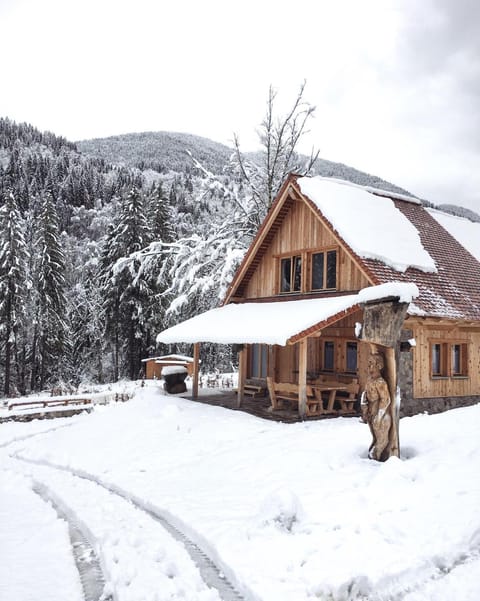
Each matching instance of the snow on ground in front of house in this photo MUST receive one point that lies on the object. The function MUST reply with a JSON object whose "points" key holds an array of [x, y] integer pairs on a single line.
{"points": [[99, 393], [36, 562], [289, 511]]}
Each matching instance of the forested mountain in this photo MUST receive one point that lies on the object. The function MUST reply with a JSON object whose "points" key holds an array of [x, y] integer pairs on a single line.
{"points": [[160, 151], [168, 151], [103, 243]]}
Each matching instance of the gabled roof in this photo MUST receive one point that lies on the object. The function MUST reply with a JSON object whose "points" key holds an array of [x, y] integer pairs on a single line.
{"points": [[403, 243]]}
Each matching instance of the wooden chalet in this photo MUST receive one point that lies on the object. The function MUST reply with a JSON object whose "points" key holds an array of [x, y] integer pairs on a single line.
{"points": [[297, 297]]}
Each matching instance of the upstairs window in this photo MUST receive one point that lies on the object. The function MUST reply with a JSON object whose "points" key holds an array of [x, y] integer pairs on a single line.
{"points": [[324, 270], [291, 274]]}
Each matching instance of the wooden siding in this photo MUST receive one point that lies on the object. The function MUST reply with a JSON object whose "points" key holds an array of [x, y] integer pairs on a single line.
{"points": [[301, 231], [286, 358], [428, 332], [153, 371]]}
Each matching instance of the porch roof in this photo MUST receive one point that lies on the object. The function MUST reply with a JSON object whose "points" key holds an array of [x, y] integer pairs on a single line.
{"points": [[281, 322]]}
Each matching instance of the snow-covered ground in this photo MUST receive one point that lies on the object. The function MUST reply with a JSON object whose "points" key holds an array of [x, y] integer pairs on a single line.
{"points": [[288, 512]]}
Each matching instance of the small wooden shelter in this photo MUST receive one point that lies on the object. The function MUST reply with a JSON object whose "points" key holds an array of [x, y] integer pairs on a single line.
{"points": [[153, 366], [326, 250]]}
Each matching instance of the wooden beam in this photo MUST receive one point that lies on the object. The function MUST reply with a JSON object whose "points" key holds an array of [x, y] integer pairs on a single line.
{"points": [[302, 377], [196, 370], [272, 360], [242, 374], [391, 373]]}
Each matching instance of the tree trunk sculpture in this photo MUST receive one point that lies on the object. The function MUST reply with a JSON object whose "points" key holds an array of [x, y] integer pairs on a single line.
{"points": [[375, 407]]}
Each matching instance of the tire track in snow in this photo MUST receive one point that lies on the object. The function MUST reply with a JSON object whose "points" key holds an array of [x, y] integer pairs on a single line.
{"points": [[87, 561], [28, 436], [395, 587], [211, 573]]}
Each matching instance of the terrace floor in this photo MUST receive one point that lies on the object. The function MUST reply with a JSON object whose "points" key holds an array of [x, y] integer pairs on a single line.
{"points": [[259, 406]]}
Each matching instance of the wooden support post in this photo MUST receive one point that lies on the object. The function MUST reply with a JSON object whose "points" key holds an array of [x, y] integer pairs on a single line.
{"points": [[272, 356], [302, 377], [196, 370], [242, 374], [391, 377]]}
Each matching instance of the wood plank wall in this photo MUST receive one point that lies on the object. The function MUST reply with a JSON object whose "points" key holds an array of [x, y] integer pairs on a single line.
{"points": [[426, 332], [286, 364], [300, 231]]}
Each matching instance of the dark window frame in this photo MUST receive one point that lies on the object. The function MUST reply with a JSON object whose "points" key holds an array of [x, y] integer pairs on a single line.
{"points": [[293, 265], [332, 345], [348, 370], [448, 359], [329, 279]]}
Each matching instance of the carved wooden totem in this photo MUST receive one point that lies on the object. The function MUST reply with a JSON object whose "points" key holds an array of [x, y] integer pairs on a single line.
{"points": [[383, 320], [375, 407]]}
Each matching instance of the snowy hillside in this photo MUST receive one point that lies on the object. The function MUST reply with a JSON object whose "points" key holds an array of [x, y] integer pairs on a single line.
{"points": [[161, 151], [164, 151], [282, 512]]}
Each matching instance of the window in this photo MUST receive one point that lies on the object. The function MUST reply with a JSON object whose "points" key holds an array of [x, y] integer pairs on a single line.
{"points": [[308, 272], [291, 274], [351, 357], [258, 361], [449, 359], [324, 270], [438, 354], [328, 355], [459, 360], [339, 356]]}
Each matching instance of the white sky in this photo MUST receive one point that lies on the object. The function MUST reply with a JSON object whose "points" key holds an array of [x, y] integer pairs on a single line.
{"points": [[396, 83]]}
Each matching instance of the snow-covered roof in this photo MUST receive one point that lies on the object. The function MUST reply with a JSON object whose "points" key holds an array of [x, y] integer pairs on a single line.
{"points": [[173, 369], [170, 358], [274, 322], [370, 224], [465, 231]]}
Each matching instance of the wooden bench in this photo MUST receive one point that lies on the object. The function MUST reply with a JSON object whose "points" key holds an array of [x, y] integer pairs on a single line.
{"points": [[285, 391], [347, 398], [254, 388]]}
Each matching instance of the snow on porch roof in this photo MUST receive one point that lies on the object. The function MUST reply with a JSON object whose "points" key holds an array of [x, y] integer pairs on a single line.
{"points": [[276, 322]]}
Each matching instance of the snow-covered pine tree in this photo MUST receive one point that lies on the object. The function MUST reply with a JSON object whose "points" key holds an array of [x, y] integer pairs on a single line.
{"points": [[49, 279], [128, 293], [160, 214], [13, 283]]}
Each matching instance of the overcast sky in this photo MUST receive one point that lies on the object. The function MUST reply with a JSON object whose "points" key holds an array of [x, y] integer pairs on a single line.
{"points": [[396, 83]]}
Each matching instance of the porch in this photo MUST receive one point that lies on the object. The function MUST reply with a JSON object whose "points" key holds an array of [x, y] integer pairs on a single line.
{"points": [[295, 344], [260, 406]]}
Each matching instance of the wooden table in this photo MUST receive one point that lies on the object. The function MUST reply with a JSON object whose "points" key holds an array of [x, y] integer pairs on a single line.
{"points": [[332, 394]]}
